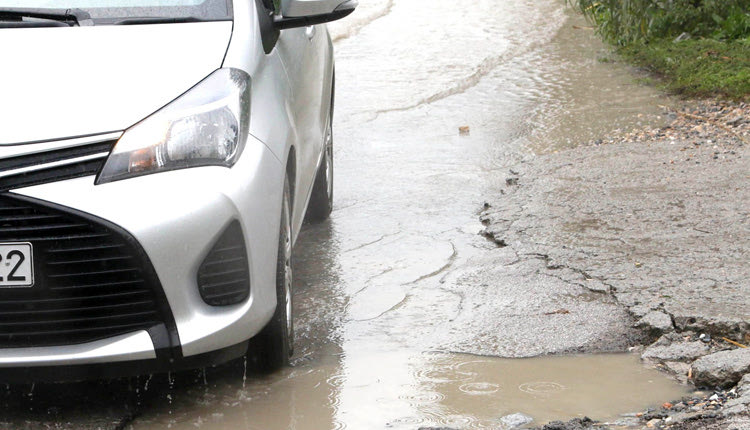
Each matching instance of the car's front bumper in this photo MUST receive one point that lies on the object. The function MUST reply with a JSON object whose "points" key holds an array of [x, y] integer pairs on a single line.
{"points": [[107, 369], [176, 217]]}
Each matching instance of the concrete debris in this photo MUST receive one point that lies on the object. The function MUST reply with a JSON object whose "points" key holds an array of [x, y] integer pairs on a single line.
{"points": [[678, 351], [656, 322], [516, 420], [721, 369]]}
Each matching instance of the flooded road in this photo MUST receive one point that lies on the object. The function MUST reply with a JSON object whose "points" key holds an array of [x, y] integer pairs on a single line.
{"points": [[406, 315]]}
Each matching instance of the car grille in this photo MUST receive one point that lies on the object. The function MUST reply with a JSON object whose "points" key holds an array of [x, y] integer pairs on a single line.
{"points": [[224, 278], [54, 165], [91, 280]]}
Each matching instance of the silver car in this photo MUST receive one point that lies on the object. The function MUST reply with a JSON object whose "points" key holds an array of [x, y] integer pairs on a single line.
{"points": [[157, 159]]}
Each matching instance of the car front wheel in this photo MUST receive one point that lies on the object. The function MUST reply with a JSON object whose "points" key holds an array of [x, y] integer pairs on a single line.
{"points": [[271, 348]]}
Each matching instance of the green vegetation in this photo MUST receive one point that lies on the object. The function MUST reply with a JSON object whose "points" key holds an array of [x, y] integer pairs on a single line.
{"points": [[698, 47], [622, 22], [702, 67]]}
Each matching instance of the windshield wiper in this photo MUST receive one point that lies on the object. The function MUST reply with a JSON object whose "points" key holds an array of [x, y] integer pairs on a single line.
{"points": [[53, 17], [157, 20]]}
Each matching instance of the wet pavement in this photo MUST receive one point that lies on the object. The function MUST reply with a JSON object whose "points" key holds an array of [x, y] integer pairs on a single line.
{"points": [[406, 315]]}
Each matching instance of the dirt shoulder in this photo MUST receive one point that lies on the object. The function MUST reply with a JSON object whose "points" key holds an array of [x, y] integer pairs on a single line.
{"points": [[659, 219]]}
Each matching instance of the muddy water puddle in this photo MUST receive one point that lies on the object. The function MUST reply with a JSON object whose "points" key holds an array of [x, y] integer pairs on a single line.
{"points": [[376, 390], [434, 389], [547, 388]]}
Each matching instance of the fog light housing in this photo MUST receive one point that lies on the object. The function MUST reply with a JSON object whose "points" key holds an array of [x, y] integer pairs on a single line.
{"points": [[224, 276]]}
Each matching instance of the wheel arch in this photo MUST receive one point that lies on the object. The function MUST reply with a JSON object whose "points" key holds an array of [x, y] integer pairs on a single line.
{"points": [[291, 172]]}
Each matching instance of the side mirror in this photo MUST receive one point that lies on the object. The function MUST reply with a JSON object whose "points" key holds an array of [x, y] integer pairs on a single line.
{"points": [[303, 13]]}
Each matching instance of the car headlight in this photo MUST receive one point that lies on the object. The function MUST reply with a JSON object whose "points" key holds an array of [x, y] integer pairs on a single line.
{"points": [[206, 126]]}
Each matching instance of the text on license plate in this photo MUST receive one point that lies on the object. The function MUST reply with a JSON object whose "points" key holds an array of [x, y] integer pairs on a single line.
{"points": [[16, 265]]}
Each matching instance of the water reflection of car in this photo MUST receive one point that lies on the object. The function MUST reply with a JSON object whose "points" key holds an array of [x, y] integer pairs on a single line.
{"points": [[157, 159]]}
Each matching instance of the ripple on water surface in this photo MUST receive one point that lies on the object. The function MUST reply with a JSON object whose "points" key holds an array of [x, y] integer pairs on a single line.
{"points": [[546, 388], [541, 387], [479, 388]]}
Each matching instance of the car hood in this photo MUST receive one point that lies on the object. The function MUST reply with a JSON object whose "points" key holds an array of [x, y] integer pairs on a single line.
{"points": [[62, 82]]}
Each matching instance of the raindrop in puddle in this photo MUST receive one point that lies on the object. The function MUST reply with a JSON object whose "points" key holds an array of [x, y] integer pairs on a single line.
{"points": [[479, 388], [541, 387], [601, 386]]}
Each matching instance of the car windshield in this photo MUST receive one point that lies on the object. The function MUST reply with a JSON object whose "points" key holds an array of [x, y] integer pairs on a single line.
{"points": [[111, 11]]}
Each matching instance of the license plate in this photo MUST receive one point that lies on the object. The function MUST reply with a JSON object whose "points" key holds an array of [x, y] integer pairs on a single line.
{"points": [[16, 265]]}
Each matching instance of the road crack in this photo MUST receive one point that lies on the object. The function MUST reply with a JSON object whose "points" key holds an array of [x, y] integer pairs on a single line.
{"points": [[364, 245], [396, 306], [446, 266]]}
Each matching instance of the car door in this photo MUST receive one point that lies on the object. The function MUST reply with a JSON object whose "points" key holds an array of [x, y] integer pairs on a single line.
{"points": [[304, 53]]}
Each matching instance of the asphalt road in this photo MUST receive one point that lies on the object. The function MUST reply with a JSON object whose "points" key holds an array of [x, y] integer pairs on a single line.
{"points": [[406, 314]]}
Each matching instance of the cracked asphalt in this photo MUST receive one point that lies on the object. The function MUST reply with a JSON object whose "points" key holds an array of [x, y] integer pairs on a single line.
{"points": [[663, 226]]}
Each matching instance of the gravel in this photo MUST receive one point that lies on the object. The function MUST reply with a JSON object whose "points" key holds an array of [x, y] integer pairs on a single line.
{"points": [[714, 122], [584, 423]]}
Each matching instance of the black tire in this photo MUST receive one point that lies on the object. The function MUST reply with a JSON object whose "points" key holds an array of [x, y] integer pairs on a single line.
{"points": [[321, 199], [270, 349]]}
